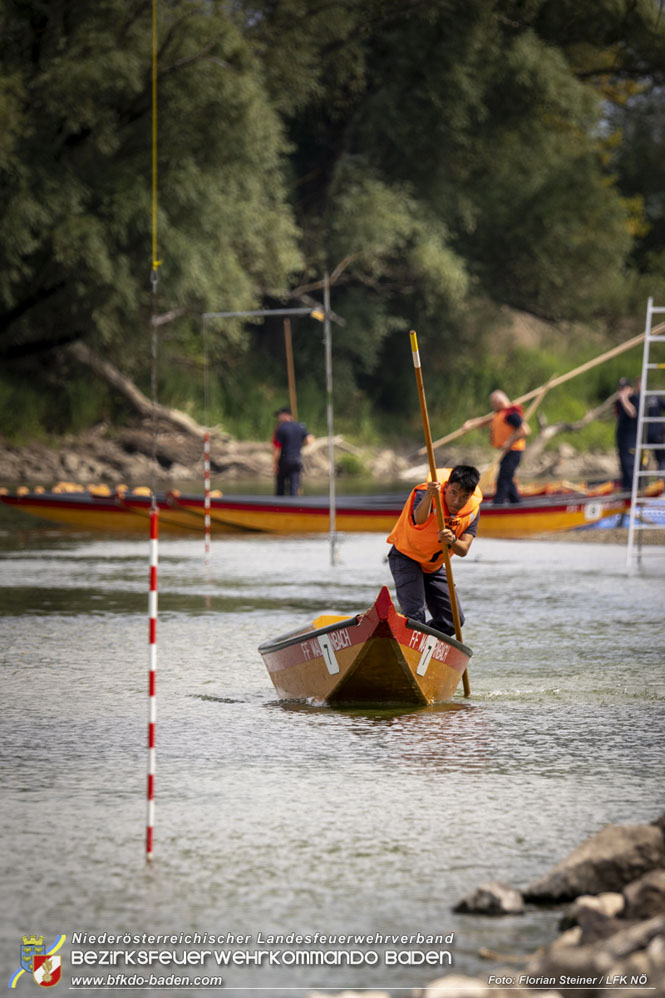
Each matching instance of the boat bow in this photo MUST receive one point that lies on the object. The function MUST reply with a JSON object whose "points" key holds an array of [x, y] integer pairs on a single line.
{"points": [[378, 657]]}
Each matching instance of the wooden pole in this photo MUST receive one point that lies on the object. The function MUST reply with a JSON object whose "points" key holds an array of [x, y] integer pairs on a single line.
{"points": [[439, 506], [327, 339], [554, 382], [290, 371]]}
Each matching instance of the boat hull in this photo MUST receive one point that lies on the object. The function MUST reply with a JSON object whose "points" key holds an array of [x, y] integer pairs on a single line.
{"points": [[553, 515], [184, 514], [377, 657], [113, 514]]}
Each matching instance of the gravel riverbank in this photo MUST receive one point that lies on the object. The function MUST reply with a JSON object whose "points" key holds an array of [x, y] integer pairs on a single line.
{"points": [[113, 455]]}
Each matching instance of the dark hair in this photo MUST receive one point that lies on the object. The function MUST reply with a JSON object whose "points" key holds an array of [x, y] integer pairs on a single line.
{"points": [[465, 475]]}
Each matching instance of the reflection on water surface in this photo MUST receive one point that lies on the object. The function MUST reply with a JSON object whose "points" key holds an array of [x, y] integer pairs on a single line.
{"points": [[285, 816]]}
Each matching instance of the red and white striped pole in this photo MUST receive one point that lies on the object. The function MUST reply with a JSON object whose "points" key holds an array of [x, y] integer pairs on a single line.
{"points": [[152, 675], [206, 494]]}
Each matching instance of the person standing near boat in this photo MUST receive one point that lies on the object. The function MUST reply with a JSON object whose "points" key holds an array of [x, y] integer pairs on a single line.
{"points": [[416, 557], [287, 441], [625, 407], [508, 433]]}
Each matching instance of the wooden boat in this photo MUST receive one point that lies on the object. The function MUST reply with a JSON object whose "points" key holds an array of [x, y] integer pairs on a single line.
{"points": [[128, 512], [378, 657], [550, 514]]}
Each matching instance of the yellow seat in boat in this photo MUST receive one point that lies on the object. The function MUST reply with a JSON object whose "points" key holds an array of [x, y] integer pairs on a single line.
{"points": [[329, 618]]}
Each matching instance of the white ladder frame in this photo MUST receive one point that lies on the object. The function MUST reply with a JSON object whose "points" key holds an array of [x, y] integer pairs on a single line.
{"points": [[636, 524]]}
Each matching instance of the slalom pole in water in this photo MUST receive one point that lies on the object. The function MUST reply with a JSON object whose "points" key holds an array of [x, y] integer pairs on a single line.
{"points": [[206, 494], [439, 508], [154, 509], [152, 675]]}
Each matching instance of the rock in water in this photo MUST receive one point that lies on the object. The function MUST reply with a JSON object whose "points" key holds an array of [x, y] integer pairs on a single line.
{"points": [[607, 861], [492, 898]]}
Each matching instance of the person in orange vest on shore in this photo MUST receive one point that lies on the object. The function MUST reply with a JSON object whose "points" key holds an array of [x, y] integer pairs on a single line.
{"points": [[508, 433], [416, 558]]}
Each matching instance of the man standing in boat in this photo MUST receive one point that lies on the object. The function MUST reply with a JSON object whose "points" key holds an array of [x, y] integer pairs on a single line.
{"points": [[508, 433], [287, 442], [416, 558]]}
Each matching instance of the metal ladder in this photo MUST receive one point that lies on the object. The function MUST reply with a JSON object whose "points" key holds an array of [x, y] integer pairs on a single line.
{"points": [[648, 512]]}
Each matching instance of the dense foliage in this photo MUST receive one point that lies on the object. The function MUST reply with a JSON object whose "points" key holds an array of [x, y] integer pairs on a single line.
{"points": [[445, 160]]}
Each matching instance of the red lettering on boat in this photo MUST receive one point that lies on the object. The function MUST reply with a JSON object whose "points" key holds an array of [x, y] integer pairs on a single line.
{"points": [[414, 639], [340, 639], [441, 650]]}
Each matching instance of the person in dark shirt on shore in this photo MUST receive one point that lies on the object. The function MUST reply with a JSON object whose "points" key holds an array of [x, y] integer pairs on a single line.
{"points": [[654, 408], [625, 407], [287, 461]]}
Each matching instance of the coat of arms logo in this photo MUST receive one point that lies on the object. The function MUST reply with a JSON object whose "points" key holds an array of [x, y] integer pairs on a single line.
{"points": [[31, 946], [40, 961], [47, 969]]}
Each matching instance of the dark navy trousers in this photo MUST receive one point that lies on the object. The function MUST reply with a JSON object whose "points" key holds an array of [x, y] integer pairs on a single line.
{"points": [[505, 483], [419, 591], [288, 478]]}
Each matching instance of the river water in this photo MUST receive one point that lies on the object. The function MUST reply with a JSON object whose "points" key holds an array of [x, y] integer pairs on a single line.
{"points": [[276, 818]]}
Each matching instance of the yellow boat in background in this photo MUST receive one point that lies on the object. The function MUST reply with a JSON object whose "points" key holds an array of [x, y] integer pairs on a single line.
{"points": [[125, 511]]}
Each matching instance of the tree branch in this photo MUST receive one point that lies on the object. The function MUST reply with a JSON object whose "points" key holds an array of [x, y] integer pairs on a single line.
{"points": [[82, 353], [546, 433]]}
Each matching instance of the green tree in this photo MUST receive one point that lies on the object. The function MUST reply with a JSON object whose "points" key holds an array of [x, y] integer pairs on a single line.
{"points": [[440, 159], [75, 172], [448, 152]]}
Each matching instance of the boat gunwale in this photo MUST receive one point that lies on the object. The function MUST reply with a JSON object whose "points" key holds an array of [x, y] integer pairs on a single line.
{"points": [[295, 637], [386, 503], [555, 502], [365, 505], [417, 625]]}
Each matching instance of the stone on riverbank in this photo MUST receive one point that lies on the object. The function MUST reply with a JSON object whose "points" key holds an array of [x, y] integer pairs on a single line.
{"points": [[492, 898], [645, 898], [607, 861], [633, 954], [349, 994], [609, 938], [112, 454], [609, 905], [458, 986], [109, 455]]}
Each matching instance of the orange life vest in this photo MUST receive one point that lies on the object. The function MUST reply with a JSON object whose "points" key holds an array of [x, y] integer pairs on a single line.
{"points": [[500, 430], [421, 541]]}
